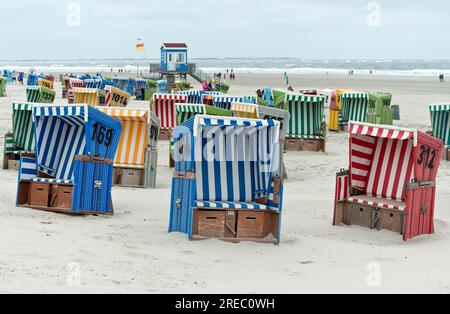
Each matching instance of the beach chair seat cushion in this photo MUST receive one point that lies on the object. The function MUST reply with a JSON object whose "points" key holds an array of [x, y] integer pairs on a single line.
{"points": [[232, 205], [378, 202], [53, 181], [306, 137]]}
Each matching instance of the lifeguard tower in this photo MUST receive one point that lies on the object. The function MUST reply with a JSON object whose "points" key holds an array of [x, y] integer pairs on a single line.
{"points": [[174, 59], [175, 63]]}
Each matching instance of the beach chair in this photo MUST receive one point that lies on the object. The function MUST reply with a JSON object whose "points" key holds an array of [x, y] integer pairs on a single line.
{"points": [[187, 111], [355, 107], [225, 102], [3, 92], [39, 94], [163, 105], [21, 140], [390, 184], [90, 96], [135, 164], [65, 87], [32, 80], [440, 119], [307, 131], [115, 97], [162, 87], [93, 83], [8, 75], [73, 83], [121, 83], [221, 87], [227, 182], [330, 104], [193, 96], [279, 98], [380, 111], [140, 86], [73, 166], [46, 83]]}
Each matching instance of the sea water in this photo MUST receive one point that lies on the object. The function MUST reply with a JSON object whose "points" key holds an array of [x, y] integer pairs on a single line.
{"points": [[242, 65]]}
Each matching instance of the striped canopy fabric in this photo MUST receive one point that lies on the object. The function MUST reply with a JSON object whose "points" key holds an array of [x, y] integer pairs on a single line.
{"points": [[194, 96], [76, 83], [225, 102], [46, 83], [234, 158], [381, 160], [188, 111], [140, 84], [242, 110], [122, 83], [95, 83], [63, 132], [135, 136], [27, 170], [306, 115], [23, 128], [90, 96], [355, 107], [39, 94], [440, 119], [164, 108]]}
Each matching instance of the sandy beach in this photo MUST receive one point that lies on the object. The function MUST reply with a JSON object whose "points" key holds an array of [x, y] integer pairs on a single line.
{"points": [[132, 252]]}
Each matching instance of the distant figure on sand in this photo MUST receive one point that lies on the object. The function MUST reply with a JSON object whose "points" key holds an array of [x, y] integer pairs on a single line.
{"points": [[442, 78], [205, 86], [286, 78]]}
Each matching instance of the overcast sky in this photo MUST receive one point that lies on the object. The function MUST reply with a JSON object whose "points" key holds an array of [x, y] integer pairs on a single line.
{"points": [[344, 29]]}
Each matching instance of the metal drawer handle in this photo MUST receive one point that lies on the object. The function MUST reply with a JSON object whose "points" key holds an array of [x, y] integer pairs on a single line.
{"points": [[98, 184]]}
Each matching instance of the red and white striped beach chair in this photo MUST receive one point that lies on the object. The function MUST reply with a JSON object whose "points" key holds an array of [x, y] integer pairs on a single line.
{"points": [[391, 181], [164, 108]]}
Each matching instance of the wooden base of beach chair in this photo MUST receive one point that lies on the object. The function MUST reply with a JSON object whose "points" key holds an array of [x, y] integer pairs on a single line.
{"points": [[50, 197], [370, 217], [343, 128], [165, 135], [128, 177], [446, 154], [44, 196], [299, 144], [236, 225], [11, 162]]}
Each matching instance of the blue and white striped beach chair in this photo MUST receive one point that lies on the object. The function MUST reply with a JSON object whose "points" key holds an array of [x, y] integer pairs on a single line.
{"points": [[228, 175], [75, 148], [225, 102]]}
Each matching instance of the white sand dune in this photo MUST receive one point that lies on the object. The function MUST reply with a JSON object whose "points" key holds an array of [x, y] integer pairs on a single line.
{"points": [[132, 251]]}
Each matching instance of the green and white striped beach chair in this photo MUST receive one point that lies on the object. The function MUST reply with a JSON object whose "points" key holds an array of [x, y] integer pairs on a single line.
{"points": [[355, 107], [306, 127], [21, 140], [440, 119], [40, 95], [188, 111], [3, 87]]}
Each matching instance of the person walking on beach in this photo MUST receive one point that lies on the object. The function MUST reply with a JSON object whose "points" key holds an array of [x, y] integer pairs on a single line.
{"points": [[286, 78]]}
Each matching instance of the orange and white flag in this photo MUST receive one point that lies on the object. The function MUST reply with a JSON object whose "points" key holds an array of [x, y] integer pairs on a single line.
{"points": [[140, 45]]}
